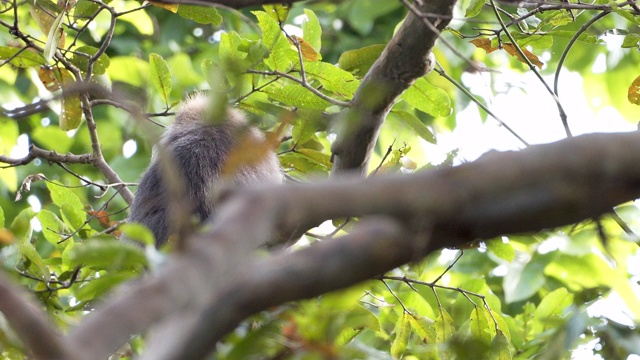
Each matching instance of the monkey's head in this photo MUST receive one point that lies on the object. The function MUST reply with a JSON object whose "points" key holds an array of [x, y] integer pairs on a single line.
{"points": [[199, 108]]}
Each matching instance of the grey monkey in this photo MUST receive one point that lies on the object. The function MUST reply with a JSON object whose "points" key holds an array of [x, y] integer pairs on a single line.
{"points": [[198, 148]]}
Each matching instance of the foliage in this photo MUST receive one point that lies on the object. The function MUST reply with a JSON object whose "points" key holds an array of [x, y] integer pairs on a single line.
{"points": [[291, 70]]}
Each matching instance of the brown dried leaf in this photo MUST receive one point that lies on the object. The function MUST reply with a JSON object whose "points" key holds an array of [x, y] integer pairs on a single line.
{"points": [[511, 50], [248, 151], [26, 184], [102, 217], [484, 44]]}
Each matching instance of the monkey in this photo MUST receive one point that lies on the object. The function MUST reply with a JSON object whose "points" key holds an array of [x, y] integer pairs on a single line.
{"points": [[198, 147]]}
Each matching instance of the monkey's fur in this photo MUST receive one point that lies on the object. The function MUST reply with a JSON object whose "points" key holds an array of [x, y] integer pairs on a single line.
{"points": [[197, 148]]}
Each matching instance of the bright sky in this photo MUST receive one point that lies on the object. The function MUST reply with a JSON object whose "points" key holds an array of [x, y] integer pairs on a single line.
{"points": [[533, 115]]}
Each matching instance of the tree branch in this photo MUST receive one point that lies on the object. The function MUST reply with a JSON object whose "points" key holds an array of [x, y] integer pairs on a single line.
{"points": [[543, 186], [51, 156], [28, 321], [376, 246], [402, 62], [234, 4]]}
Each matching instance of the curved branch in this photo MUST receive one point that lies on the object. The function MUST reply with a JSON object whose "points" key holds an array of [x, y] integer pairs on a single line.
{"points": [[373, 248], [234, 4], [51, 156], [29, 322], [543, 186], [402, 62]]}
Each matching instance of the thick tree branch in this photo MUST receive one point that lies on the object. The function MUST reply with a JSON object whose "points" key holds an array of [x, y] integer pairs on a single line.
{"points": [[540, 187], [376, 246], [28, 321], [51, 156], [402, 62], [235, 4]]}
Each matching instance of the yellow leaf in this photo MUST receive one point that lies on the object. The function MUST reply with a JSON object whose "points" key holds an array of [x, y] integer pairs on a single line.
{"points": [[634, 92], [49, 79], [308, 52], [6, 237], [170, 7], [71, 113]]}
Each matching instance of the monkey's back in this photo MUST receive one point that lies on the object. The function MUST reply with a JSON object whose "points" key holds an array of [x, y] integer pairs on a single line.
{"points": [[197, 150]]}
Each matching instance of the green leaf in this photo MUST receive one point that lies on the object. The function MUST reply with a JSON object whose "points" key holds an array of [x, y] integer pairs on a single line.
{"points": [[81, 57], [402, 332], [584, 37], [277, 12], [302, 163], [557, 18], [139, 20], [363, 13], [1, 218], [444, 326], [332, 78], [627, 15], [102, 253], [229, 52], [415, 124], [306, 125], [138, 232], [21, 57], [200, 14], [52, 138], [536, 41], [71, 208], [160, 76], [586, 271], [474, 8], [355, 319], [52, 226], [311, 30], [481, 328], [21, 224], [84, 9], [631, 41], [553, 305], [500, 347], [73, 215], [95, 288], [501, 249], [525, 279], [428, 98], [281, 55], [297, 96], [360, 61], [254, 343], [424, 328], [317, 156], [28, 251], [591, 271], [129, 70], [502, 324]]}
